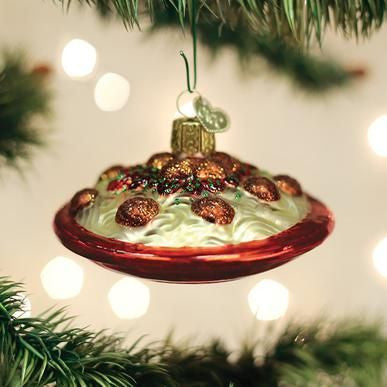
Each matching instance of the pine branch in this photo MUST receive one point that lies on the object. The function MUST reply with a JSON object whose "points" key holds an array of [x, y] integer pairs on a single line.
{"points": [[234, 26], [310, 73], [345, 354], [42, 350], [35, 351], [24, 98], [302, 20]]}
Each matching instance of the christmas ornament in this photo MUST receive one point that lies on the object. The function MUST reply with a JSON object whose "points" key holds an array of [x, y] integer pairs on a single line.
{"points": [[193, 215]]}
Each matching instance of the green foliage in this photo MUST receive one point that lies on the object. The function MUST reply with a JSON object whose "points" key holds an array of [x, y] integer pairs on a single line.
{"points": [[23, 99], [300, 20], [35, 351], [251, 33], [345, 354], [306, 71], [42, 350]]}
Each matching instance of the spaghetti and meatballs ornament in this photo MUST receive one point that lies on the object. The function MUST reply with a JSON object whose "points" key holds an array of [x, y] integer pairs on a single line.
{"points": [[192, 215]]}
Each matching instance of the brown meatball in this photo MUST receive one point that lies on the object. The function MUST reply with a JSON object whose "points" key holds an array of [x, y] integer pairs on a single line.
{"points": [[112, 172], [137, 211], [214, 210], [262, 188], [159, 160], [229, 164], [82, 199], [178, 169], [208, 169], [288, 185]]}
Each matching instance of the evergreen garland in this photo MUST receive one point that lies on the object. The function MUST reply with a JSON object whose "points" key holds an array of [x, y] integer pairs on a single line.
{"points": [[311, 73], [45, 349], [24, 98], [299, 20], [242, 26]]}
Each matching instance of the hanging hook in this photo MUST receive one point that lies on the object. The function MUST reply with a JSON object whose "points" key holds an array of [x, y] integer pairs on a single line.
{"points": [[187, 71], [194, 43]]}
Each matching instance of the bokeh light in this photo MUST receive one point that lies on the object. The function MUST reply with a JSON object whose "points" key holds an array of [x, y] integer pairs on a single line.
{"points": [[111, 92], [377, 136], [62, 278], [268, 300], [78, 58], [129, 298], [380, 257]]}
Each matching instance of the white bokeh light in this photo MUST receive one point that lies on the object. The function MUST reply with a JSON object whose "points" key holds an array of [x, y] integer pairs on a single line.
{"points": [[26, 307], [380, 257], [78, 58], [111, 92], [62, 278], [377, 136], [129, 298], [268, 300]]}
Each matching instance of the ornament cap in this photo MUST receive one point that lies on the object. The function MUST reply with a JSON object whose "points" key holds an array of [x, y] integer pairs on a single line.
{"points": [[190, 138]]}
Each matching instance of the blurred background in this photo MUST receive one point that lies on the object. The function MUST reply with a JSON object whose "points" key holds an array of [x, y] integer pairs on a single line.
{"points": [[115, 94]]}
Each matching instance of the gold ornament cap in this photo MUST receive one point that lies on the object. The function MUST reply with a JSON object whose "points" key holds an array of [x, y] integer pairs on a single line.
{"points": [[189, 137]]}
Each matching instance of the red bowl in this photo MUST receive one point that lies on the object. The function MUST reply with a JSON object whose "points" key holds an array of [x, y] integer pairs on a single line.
{"points": [[197, 264]]}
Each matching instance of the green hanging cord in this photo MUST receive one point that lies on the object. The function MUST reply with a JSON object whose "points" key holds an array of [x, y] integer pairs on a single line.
{"points": [[194, 41]]}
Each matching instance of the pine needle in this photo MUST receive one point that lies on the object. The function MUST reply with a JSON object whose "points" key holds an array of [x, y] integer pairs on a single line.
{"points": [[279, 32], [300, 20], [37, 351], [24, 98]]}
